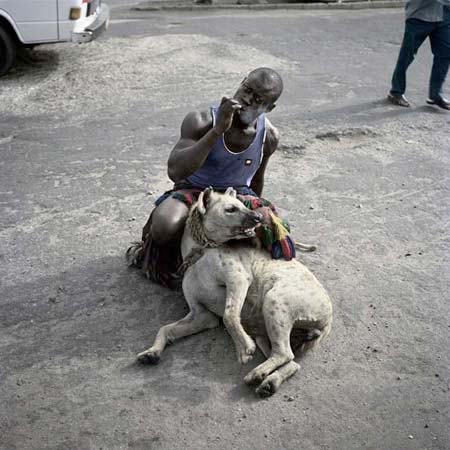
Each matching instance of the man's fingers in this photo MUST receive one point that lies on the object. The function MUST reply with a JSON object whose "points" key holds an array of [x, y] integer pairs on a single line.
{"points": [[231, 101]]}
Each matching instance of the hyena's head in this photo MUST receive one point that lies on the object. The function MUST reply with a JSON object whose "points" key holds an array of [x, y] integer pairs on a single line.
{"points": [[225, 217]]}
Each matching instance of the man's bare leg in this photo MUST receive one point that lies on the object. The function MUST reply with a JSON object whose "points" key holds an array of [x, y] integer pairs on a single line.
{"points": [[168, 221]]}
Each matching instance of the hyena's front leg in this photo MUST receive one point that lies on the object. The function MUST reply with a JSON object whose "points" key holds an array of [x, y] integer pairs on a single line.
{"points": [[195, 321], [236, 293]]}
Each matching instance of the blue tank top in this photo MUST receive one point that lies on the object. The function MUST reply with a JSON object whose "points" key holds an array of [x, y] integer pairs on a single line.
{"points": [[223, 168]]}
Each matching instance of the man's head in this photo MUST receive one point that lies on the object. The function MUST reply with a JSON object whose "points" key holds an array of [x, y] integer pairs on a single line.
{"points": [[258, 93]]}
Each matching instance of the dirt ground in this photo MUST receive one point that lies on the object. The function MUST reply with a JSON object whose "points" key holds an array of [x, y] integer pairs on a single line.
{"points": [[85, 133]]}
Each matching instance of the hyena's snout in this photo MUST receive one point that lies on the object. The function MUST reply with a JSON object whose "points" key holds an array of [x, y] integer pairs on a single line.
{"points": [[248, 221], [253, 218]]}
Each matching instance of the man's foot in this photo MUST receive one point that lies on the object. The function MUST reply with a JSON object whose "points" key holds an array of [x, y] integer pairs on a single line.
{"points": [[439, 101], [399, 100]]}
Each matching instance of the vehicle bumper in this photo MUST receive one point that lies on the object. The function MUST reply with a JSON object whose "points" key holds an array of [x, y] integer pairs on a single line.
{"points": [[97, 27]]}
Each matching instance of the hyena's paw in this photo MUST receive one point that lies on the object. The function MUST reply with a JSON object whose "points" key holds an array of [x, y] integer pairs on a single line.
{"points": [[256, 376], [246, 352], [269, 386], [149, 357]]}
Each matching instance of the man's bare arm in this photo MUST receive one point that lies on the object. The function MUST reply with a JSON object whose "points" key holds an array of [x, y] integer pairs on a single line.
{"points": [[271, 144], [193, 147], [197, 138]]}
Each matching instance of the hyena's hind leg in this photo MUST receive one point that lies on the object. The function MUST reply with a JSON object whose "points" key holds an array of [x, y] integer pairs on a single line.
{"points": [[301, 341], [196, 320], [278, 325], [272, 382]]}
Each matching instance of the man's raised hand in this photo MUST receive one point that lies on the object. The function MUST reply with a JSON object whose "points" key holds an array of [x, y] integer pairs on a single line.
{"points": [[227, 108]]}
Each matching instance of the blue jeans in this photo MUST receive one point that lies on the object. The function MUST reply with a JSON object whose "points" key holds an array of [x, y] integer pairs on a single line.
{"points": [[416, 31]]}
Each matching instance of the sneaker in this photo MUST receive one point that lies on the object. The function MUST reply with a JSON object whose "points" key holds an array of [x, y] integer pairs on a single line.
{"points": [[399, 100], [439, 101]]}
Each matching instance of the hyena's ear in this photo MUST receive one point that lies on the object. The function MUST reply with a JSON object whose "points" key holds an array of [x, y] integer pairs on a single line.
{"points": [[203, 199], [231, 191]]}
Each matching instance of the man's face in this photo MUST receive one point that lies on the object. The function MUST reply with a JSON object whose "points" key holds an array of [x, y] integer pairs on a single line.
{"points": [[255, 97]]}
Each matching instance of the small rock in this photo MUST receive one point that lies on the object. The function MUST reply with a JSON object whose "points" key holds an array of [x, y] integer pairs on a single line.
{"points": [[410, 436], [290, 399]]}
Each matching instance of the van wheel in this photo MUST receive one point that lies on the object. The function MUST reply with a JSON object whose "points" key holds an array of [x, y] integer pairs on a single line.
{"points": [[7, 51]]}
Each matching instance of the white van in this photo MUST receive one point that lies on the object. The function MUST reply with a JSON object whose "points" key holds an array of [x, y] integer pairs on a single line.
{"points": [[32, 22]]}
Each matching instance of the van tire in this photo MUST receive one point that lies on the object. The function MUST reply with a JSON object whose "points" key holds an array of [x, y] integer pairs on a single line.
{"points": [[7, 51]]}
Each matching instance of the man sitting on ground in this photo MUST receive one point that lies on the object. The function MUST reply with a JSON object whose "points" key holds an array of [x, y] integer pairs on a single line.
{"points": [[229, 145]]}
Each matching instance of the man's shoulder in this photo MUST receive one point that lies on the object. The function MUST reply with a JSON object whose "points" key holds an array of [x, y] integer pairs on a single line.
{"points": [[197, 121], [271, 129], [272, 138], [202, 117]]}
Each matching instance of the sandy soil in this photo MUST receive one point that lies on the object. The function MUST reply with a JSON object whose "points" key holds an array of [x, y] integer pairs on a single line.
{"points": [[84, 139]]}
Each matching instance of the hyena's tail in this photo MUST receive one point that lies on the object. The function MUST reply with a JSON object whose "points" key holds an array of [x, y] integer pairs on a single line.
{"points": [[314, 337], [308, 336], [305, 247]]}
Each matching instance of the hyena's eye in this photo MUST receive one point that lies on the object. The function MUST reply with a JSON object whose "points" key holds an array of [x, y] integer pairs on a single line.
{"points": [[231, 209]]}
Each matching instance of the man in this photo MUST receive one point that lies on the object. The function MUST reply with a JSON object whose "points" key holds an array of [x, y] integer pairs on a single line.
{"points": [[424, 18], [229, 145]]}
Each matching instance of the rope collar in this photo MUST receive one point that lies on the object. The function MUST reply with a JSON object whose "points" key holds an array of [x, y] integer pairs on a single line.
{"points": [[195, 224]]}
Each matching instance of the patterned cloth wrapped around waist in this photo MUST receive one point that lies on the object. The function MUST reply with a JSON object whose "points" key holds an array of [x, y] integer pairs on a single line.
{"points": [[273, 232]]}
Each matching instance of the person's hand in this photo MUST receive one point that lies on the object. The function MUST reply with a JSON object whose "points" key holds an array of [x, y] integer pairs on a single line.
{"points": [[227, 108]]}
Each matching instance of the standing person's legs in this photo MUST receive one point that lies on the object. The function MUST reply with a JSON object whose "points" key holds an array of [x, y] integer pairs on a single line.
{"points": [[416, 32], [440, 46]]}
